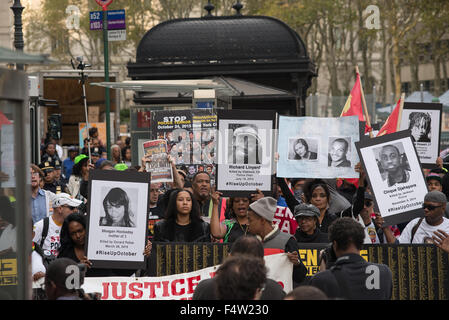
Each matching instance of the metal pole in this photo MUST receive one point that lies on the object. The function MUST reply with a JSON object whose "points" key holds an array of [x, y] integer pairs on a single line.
{"points": [[374, 105], [106, 79], [17, 9], [87, 117]]}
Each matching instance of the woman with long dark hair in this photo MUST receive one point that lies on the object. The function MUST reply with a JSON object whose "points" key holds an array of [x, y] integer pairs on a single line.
{"points": [[73, 241], [117, 209], [301, 151], [80, 172], [182, 222]]}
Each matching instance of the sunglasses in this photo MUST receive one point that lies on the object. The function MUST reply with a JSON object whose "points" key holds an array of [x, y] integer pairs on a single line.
{"points": [[70, 207], [430, 207], [368, 203]]}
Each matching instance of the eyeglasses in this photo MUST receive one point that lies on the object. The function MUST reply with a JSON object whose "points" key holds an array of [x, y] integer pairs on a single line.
{"points": [[430, 207], [70, 207]]}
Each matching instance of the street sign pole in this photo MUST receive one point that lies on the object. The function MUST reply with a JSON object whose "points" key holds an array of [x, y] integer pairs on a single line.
{"points": [[106, 79]]}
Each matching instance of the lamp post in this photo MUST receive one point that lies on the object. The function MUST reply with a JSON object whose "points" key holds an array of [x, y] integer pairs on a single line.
{"points": [[17, 9]]}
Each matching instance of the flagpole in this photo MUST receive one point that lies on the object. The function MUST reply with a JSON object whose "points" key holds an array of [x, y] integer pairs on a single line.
{"points": [[401, 106], [365, 109]]}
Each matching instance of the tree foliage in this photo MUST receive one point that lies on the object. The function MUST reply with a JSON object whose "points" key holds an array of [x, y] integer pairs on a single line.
{"points": [[334, 31]]}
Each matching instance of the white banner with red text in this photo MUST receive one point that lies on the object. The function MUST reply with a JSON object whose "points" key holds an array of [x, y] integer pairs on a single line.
{"points": [[178, 286]]}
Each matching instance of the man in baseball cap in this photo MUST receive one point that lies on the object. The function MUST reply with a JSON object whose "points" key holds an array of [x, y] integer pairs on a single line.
{"points": [[260, 223], [422, 230], [434, 182], [307, 216], [47, 231]]}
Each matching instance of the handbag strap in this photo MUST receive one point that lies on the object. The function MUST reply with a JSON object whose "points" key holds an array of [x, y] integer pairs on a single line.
{"points": [[415, 228]]}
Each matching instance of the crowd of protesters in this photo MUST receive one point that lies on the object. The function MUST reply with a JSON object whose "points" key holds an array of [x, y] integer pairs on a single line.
{"points": [[338, 212]]}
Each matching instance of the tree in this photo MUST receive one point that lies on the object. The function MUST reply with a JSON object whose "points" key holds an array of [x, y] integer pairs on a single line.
{"points": [[401, 17], [435, 25]]}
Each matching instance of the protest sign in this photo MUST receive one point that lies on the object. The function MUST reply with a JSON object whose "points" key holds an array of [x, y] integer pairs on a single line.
{"points": [[394, 171], [311, 147], [191, 137], [118, 218], [245, 152], [178, 286], [424, 122], [83, 131], [159, 167]]}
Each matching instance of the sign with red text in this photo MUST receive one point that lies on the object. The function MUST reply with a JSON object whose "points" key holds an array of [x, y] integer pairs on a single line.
{"points": [[178, 286]]}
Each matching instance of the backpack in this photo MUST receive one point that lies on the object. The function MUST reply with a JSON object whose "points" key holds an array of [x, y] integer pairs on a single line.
{"points": [[46, 258]]}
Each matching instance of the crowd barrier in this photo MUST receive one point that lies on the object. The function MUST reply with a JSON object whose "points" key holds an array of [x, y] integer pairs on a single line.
{"points": [[420, 272]]}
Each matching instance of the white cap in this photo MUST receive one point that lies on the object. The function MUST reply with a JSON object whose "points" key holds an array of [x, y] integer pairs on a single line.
{"points": [[62, 199]]}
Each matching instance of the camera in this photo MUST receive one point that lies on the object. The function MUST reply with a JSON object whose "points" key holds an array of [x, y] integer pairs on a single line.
{"points": [[81, 65]]}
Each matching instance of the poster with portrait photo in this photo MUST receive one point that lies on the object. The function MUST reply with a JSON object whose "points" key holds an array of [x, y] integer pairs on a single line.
{"points": [[159, 166], [306, 150], [395, 175], [245, 152], [424, 122], [117, 221]]}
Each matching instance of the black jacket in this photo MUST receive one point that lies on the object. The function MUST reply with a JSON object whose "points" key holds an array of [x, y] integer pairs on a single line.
{"points": [[353, 278], [164, 231], [316, 237]]}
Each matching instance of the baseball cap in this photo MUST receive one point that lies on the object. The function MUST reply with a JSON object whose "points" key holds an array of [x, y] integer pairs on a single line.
{"points": [[434, 176], [265, 207], [99, 162], [62, 199], [80, 157], [120, 167], [306, 210]]}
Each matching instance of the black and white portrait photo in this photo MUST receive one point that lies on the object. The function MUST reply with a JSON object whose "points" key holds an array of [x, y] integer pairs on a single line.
{"points": [[420, 126], [302, 149], [118, 208], [245, 156], [395, 174], [423, 121], [393, 164], [339, 152], [246, 146], [118, 218]]}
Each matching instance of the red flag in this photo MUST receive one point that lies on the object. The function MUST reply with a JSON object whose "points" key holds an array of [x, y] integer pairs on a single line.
{"points": [[353, 106], [4, 120], [391, 125]]}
